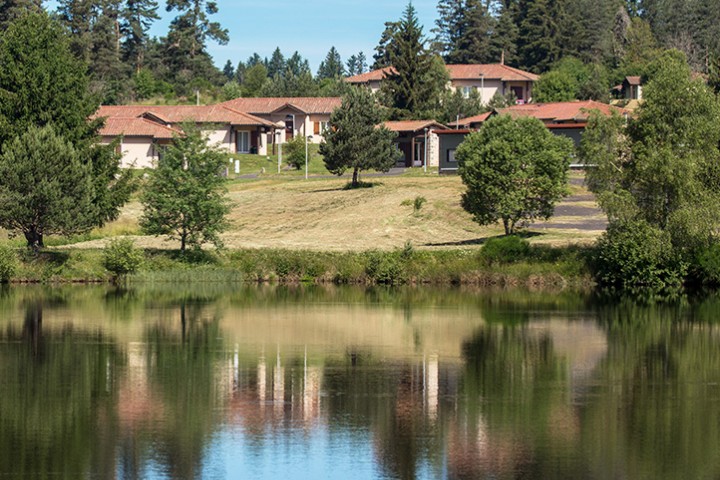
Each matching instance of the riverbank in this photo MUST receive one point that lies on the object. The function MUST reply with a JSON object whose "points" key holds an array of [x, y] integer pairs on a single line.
{"points": [[540, 265]]}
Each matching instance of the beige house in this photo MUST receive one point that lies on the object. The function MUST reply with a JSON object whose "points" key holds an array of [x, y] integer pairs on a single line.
{"points": [[290, 116], [417, 140], [486, 79], [140, 139]]}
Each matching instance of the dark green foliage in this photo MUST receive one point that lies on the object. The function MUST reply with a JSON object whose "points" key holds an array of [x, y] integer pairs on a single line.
{"points": [[503, 250], [185, 195], [120, 256], [384, 267], [136, 19], [356, 64], [332, 66], [515, 170], [11, 10], [8, 263], [353, 141], [708, 264], [636, 253], [45, 188], [455, 105], [418, 77], [555, 86]]}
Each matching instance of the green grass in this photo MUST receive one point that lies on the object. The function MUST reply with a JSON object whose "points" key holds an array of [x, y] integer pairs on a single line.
{"points": [[267, 165]]}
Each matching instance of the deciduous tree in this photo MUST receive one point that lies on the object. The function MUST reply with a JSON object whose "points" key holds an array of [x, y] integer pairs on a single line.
{"points": [[185, 195], [515, 170]]}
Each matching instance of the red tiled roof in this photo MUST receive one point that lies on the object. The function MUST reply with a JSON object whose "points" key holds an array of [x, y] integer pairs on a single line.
{"points": [[470, 120], [412, 125], [179, 113], [577, 111], [268, 105], [490, 71], [635, 80], [136, 127]]}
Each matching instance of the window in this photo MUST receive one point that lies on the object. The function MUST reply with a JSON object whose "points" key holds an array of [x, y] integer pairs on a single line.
{"points": [[451, 155], [466, 92], [243, 142]]}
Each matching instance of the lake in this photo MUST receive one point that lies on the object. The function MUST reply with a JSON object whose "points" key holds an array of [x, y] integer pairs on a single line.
{"points": [[354, 383]]}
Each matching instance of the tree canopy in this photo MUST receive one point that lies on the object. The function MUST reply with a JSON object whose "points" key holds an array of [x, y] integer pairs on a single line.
{"points": [[515, 170], [353, 140], [185, 195]]}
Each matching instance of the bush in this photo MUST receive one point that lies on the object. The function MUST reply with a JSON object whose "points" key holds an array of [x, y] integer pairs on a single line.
{"points": [[8, 263], [708, 262], [120, 256], [637, 254], [384, 267], [294, 152], [506, 249]]}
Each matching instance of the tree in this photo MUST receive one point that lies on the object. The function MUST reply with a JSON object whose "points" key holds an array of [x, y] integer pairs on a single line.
{"points": [[418, 78], [276, 65], [229, 70], [539, 43], [42, 83], [45, 188], [356, 64], [136, 19], [555, 86], [255, 77], [332, 66], [353, 140], [663, 167], [515, 170], [185, 195], [11, 10]]}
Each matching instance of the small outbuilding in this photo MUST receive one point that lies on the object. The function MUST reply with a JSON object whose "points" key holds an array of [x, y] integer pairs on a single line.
{"points": [[418, 141]]}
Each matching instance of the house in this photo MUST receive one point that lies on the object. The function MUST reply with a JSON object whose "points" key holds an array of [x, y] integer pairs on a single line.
{"points": [[486, 79], [417, 141], [568, 119], [291, 116], [234, 131], [629, 89]]}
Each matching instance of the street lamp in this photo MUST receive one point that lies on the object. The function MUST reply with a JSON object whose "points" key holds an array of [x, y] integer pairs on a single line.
{"points": [[425, 157], [279, 145], [482, 88], [307, 138]]}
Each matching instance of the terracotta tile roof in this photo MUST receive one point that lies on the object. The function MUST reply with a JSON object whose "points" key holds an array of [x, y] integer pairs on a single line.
{"points": [[490, 71], [635, 80], [413, 125], [560, 112], [470, 120], [136, 127], [268, 105], [179, 113]]}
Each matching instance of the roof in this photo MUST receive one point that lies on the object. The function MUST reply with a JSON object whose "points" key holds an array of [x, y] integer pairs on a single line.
{"points": [[488, 71], [268, 105], [174, 114], [136, 127], [635, 80], [560, 112], [412, 125], [460, 131], [470, 120]]}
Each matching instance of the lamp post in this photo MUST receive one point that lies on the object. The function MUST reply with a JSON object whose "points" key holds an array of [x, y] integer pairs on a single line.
{"points": [[482, 88], [425, 156], [279, 145], [307, 138]]}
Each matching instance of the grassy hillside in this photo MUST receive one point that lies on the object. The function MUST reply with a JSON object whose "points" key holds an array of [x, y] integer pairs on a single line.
{"points": [[288, 212]]}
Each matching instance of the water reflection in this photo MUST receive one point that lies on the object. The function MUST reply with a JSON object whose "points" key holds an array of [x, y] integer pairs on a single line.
{"points": [[326, 382]]}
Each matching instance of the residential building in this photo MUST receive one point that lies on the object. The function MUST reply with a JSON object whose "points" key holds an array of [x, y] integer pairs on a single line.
{"points": [[417, 141], [486, 79]]}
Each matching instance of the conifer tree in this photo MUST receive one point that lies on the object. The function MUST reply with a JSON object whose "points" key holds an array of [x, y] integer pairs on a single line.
{"points": [[136, 19], [538, 41], [332, 66], [11, 10], [276, 65], [504, 37]]}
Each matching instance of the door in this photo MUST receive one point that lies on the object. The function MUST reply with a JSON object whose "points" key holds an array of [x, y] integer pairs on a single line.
{"points": [[243, 142], [289, 127]]}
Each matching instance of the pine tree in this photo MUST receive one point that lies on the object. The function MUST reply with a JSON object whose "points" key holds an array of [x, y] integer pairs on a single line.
{"points": [[354, 142], [42, 83], [538, 42], [108, 72], [413, 83], [276, 65], [136, 19], [332, 66], [11, 10], [78, 16], [356, 64], [449, 28], [473, 44], [229, 70], [381, 58], [504, 37]]}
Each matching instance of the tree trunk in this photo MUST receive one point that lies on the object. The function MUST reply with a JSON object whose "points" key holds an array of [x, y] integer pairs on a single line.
{"points": [[33, 326], [355, 181], [34, 239], [508, 226]]}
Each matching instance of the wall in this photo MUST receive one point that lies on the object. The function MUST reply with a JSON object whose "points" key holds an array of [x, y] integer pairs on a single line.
{"points": [[136, 150], [447, 142]]}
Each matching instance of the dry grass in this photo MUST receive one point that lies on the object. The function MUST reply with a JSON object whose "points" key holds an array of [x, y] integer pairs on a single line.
{"points": [[320, 215]]}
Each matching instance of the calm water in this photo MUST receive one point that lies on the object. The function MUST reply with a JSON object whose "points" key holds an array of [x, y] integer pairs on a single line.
{"points": [[275, 382]]}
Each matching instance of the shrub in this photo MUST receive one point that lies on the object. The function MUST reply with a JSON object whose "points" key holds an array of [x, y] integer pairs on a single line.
{"points": [[506, 249], [120, 256], [708, 262], [637, 254], [384, 267], [294, 151], [8, 263]]}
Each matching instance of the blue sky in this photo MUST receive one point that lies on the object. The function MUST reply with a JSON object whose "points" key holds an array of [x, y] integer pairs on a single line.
{"points": [[311, 27]]}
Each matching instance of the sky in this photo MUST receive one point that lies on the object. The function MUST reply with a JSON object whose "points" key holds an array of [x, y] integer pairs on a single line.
{"points": [[311, 27]]}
